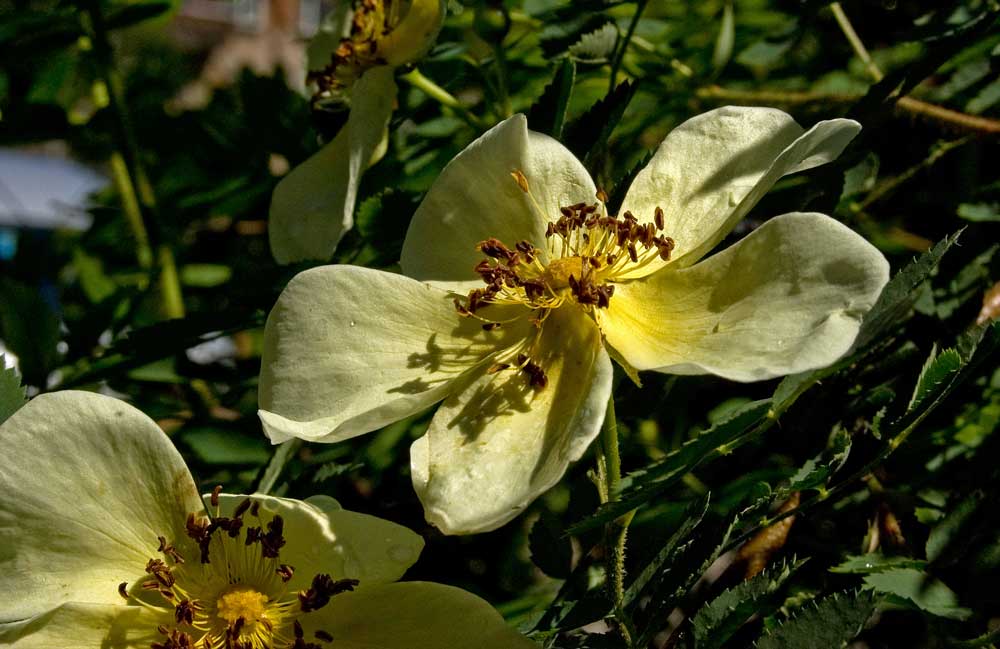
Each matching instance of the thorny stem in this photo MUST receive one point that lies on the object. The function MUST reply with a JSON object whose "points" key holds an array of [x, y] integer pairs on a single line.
{"points": [[417, 79], [855, 41], [615, 532], [130, 179], [616, 63]]}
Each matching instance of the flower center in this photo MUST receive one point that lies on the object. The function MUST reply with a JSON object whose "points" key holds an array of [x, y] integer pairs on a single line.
{"points": [[236, 594], [372, 20], [588, 252], [241, 602]]}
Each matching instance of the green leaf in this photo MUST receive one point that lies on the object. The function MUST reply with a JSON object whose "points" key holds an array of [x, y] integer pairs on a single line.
{"points": [[952, 536], [987, 97], [643, 485], [866, 564], [923, 591], [900, 293], [205, 275], [831, 623], [682, 537], [724, 41], [816, 471], [29, 328], [558, 35], [548, 114], [216, 446], [979, 212], [937, 373], [11, 391], [591, 131], [596, 46], [551, 550], [718, 620]]}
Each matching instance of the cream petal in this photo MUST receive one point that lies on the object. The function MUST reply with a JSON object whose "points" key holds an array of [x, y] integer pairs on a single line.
{"points": [[710, 170], [88, 485], [413, 615], [324, 539], [86, 626], [476, 198], [313, 206], [787, 298], [415, 34], [497, 444], [348, 350]]}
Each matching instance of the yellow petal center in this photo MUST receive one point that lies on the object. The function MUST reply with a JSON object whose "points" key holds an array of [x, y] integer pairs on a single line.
{"points": [[558, 272], [242, 602]]}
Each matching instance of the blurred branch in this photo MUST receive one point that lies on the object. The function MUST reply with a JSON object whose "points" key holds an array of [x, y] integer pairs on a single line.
{"points": [[888, 187], [138, 200], [855, 41]]}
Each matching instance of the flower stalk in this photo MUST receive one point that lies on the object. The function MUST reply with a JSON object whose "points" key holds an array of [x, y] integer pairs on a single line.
{"points": [[417, 80]]}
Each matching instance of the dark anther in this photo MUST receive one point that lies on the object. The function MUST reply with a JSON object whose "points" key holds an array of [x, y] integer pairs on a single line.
{"points": [[160, 571], [238, 626], [658, 218], [602, 195], [490, 326], [285, 572], [272, 541], [200, 530], [215, 495], [242, 508], [174, 640], [123, 589], [497, 367], [255, 508], [184, 612], [323, 588], [169, 550], [632, 254], [323, 635], [253, 535]]}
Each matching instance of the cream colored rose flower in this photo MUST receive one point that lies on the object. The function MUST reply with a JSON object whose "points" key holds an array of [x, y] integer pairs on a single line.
{"points": [[106, 544], [353, 60], [518, 286]]}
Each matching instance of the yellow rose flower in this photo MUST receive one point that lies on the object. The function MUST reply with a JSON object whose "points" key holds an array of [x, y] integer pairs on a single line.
{"points": [[106, 544], [353, 61], [518, 286]]}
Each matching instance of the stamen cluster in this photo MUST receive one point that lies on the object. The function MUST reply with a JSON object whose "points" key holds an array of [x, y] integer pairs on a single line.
{"points": [[241, 601], [356, 53], [588, 250]]}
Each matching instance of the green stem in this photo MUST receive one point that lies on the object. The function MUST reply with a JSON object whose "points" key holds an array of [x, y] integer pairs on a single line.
{"points": [[856, 44], [503, 84], [138, 201], [416, 79], [616, 531], [616, 63]]}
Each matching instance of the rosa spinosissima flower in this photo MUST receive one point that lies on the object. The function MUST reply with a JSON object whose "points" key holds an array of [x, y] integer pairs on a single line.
{"points": [[352, 61], [519, 288], [106, 544]]}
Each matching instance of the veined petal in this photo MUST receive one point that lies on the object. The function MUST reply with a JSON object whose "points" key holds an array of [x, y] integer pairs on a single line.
{"points": [[710, 170], [413, 615], [415, 33], [86, 626], [787, 298], [334, 541], [497, 444], [476, 197], [348, 350], [313, 205], [88, 484]]}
